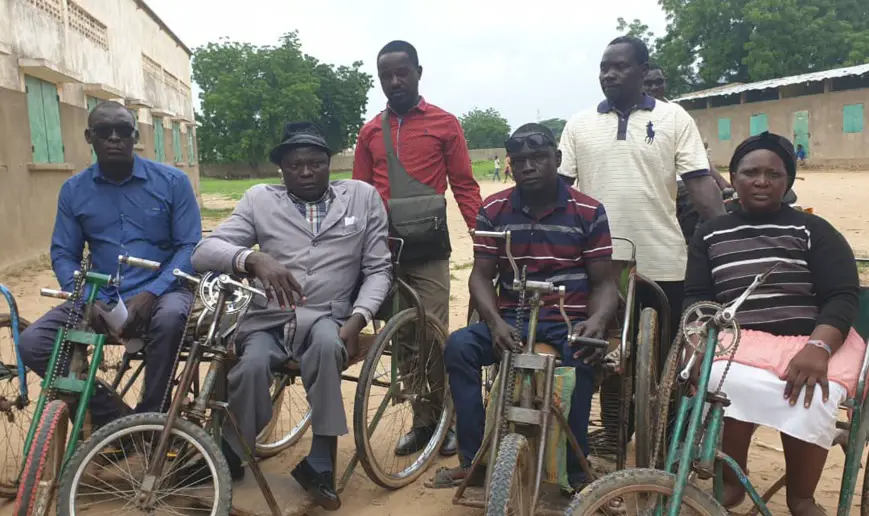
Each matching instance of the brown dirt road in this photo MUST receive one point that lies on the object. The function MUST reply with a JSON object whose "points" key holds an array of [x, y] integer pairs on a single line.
{"points": [[839, 196]]}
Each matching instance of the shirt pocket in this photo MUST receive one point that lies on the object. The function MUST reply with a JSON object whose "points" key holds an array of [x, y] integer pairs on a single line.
{"points": [[153, 222]]}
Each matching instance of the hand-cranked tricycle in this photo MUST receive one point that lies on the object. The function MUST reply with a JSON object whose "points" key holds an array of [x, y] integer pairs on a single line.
{"points": [[694, 451]]}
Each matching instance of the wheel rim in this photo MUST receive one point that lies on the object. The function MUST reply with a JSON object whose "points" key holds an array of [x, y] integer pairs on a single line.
{"points": [[640, 500], [16, 416], [103, 459], [291, 417]]}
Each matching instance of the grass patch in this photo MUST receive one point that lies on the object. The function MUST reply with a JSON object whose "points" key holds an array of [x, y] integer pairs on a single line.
{"points": [[454, 277], [463, 266], [211, 213], [235, 188]]}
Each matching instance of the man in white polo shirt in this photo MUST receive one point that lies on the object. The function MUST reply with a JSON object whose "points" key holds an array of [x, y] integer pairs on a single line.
{"points": [[628, 153]]}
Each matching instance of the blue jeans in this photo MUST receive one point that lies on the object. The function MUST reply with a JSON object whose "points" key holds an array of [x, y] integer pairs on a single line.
{"points": [[469, 349]]}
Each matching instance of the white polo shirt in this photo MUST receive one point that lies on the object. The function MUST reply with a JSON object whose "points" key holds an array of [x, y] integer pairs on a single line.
{"points": [[630, 163]]}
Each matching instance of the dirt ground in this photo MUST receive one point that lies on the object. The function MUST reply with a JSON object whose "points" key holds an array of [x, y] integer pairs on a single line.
{"points": [[838, 196]]}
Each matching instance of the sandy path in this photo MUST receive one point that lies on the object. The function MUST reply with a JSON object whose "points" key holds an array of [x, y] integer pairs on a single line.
{"points": [[838, 196]]}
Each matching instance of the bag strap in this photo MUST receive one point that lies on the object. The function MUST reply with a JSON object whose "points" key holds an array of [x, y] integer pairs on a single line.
{"points": [[401, 183]]}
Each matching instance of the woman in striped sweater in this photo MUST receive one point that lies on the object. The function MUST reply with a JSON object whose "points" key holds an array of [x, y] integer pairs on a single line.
{"points": [[799, 356]]}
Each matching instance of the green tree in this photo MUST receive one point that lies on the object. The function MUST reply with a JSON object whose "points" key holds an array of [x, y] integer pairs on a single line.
{"points": [[485, 129], [556, 125], [709, 42], [249, 92]]}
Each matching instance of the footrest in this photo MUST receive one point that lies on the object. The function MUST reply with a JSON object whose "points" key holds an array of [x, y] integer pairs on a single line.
{"points": [[69, 384]]}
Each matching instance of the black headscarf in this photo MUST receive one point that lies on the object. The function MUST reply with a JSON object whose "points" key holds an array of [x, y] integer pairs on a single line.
{"points": [[771, 142]]}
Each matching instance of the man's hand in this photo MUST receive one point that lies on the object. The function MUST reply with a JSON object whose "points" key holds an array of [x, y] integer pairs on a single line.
{"points": [[808, 368], [95, 320], [591, 328], [504, 338], [277, 280], [349, 334], [139, 309]]}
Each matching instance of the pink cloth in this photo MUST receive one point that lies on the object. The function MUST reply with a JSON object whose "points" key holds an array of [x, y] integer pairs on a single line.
{"points": [[773, 353]]}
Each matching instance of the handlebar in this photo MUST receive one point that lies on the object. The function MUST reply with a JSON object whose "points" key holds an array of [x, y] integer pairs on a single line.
{"points": [[58, 294], [728, 314], [224, 279], [178, 273], [139, 262], [589, 342]]}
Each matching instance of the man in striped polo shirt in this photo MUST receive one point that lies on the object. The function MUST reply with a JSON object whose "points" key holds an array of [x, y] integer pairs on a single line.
{"points": [[560, 235], [628, 154]]}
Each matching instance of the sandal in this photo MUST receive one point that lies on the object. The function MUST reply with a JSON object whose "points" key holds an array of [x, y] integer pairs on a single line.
{"points": [[447, 478]]}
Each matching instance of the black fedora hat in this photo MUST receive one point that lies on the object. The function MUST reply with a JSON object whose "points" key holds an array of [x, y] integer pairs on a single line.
{"points": [[293, 140]]}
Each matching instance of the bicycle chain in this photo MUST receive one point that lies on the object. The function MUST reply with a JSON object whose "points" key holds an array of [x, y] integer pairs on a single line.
{"points": [[509, 382], [72, 320], [168, 393]]}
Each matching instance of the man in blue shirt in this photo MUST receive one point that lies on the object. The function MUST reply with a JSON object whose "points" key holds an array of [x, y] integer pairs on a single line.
{"points": [[124, 205]]}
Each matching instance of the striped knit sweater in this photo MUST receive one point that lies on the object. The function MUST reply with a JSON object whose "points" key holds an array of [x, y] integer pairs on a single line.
{"points": [[817, 282]]}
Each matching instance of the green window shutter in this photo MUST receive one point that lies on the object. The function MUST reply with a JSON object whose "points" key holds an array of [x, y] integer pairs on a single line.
{"points": [[36, 116], [51, 105], [159, 150], [758, 124], [92, 103], [852, 118], [176, 142], [191, 159], [723, 129]]}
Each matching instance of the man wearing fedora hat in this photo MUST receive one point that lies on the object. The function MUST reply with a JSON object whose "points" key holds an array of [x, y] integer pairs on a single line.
{"points": [[318, 241]]}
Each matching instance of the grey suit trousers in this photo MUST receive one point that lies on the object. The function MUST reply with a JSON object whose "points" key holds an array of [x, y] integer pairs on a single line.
{"points": [[322, 362]]}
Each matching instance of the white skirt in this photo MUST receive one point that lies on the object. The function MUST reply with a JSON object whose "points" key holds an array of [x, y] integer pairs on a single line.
{"points": [[757, 396]]}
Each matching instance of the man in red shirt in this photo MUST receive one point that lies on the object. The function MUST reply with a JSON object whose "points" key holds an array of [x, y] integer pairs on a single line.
{"points": [[425, 147]]}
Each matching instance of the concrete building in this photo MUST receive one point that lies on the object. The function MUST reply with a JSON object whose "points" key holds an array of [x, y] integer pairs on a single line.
{"points": [[58, 58], [822, 111]]}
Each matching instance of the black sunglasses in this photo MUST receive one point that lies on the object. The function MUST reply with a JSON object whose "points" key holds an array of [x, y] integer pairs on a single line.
{"points": [[534, 141], [104, 132]]}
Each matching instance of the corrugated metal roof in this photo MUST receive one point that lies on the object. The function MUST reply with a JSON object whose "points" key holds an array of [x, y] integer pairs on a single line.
{"points": [[733, 89]]}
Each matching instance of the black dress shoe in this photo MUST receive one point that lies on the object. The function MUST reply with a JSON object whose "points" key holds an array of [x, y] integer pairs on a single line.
{"points": [[413, 441], [318, 485], [451, 445]]}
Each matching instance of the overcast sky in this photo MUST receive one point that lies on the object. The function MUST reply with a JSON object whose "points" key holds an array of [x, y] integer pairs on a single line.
{"points": [[526, 59]]}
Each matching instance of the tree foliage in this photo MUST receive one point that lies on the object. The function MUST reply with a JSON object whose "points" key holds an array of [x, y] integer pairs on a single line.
{"points": [[485, 129], [249, 92], [709, 42], [556, 125]]}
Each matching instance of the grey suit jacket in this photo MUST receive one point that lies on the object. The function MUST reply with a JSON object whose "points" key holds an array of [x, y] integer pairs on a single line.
{"points": [[352, 245]]}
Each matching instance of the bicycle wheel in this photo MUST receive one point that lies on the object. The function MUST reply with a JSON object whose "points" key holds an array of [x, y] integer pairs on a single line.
{"points": [[411, 385], [669, 391], [44, 461], [637, 492], [512, 479], [645, 387], [16, 416], [195, 473], [291, 417]]}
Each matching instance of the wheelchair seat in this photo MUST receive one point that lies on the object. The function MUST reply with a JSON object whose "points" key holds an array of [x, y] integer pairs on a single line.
{"points": [[542, 348]]}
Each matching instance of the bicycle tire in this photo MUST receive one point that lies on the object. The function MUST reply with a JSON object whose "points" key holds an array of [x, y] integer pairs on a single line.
{"points": [[266, 447], [666, 395], [592, 498], [645, 388], [364, 448], [44, 461], [146, 422], [21, 418], [514, 469]]}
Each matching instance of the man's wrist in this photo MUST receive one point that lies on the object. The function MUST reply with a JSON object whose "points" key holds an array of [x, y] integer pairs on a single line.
{"points": [[364, 313], [240, 263]]}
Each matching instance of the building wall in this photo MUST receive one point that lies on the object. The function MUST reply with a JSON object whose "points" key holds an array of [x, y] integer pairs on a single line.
{"points": [[108, 42], [828, 144]]}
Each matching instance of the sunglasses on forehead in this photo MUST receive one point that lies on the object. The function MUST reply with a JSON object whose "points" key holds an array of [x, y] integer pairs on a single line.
{"points": [[104, 131], [534, 141]]}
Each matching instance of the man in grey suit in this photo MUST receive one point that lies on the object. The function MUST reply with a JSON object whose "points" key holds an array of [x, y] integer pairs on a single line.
{"points": [[318, 242]]}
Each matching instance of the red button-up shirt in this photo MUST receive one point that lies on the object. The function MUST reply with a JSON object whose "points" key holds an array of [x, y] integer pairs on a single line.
{"points": [[431, 145]]}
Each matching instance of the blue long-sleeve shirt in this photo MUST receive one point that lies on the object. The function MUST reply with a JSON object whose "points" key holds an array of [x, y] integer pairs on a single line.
{"points": [[153, 214]]}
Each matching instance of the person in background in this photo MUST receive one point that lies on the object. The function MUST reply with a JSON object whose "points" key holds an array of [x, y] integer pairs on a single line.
{"points": [[798, 357], [410, 164], [317, 241], [655, 84], [801, 153], [497, 175], [123, 205], [508, 169]]}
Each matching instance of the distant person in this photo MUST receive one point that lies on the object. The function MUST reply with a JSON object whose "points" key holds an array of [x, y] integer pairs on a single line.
{"points": [[508, 169], [655, 84], [410, 164], [801, 153], [497, 175]]}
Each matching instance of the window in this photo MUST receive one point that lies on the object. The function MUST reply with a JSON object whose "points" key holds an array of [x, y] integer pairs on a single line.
{"points": [[92, 103], [43, 110], [723, 129], [159, 149], [191, 156], [176, 143], [758, 124], [852, 118]]}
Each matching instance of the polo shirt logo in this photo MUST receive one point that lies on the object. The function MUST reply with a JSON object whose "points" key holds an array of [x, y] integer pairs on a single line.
{"points": [[650, 132]]}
